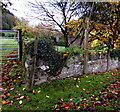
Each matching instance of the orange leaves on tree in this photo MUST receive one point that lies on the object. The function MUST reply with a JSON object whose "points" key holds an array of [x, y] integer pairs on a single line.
{"points": [[74, 26]]}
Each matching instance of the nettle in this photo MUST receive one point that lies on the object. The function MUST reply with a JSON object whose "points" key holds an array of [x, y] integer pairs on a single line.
{"points": [[47, 53]]}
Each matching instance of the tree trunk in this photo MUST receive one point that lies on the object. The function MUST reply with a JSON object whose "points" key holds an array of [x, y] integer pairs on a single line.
{"points": [[108, 52], [108, 59], [66, 40], [85, 66], [119, 60]]}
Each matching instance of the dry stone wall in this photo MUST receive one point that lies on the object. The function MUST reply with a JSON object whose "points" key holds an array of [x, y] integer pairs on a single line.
{"points": [[74, 67]]}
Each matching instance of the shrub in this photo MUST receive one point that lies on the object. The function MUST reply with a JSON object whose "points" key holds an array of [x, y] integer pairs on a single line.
{"points": [[28, 36], [47, 53], [61, 43], [115, 54]]}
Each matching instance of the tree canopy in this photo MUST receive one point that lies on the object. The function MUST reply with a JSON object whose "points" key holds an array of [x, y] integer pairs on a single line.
{"points": [[56, 12], [8, 20], [104, 23]]}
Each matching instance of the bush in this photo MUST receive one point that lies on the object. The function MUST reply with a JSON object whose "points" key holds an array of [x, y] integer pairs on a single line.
{"points": [[61, 43], [6, 26], [115, 54], [28, 36], [47, 53]]}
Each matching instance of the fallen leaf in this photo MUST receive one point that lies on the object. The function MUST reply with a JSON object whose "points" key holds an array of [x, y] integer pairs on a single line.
{"points": [[15, 96], [87, 92], [21, 97], [96, 98], [78, 108], [88, 81], [81, 99], [3, 102], [84, 89], [8, 94], [39, 91], [20, 102], [67, 107], [64, 105], [47, 96], [55, 106]]}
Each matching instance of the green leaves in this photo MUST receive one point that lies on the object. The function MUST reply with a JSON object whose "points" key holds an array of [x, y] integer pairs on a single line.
{"points": [[47, 53]]}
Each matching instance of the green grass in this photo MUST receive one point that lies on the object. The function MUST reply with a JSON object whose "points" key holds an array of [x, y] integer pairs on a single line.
{"points": [[60, 48], [7, 41], [46, 95], [72, 49]]}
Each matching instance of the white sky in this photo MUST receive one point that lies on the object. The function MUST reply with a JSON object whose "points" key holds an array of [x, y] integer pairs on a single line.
{"points": [[21, 9]]}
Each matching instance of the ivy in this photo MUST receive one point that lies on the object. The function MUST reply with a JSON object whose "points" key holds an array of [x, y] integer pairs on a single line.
{"points": [[48, 54]]}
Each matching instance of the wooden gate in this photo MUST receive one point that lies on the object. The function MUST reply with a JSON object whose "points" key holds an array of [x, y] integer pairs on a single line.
{"points": [[10, 45]]}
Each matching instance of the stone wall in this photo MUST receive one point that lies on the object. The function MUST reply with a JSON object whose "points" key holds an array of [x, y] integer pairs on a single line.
{"points": [[74, 67]]}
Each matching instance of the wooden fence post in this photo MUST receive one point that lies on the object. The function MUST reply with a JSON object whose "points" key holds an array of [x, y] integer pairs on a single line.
{"points": [[108, 53], [0, 19], [119, 60], [20, 44], [32, 74], [108, 60]]}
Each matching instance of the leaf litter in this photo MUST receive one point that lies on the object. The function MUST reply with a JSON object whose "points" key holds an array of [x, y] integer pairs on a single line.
{"points": [[106, 97]]}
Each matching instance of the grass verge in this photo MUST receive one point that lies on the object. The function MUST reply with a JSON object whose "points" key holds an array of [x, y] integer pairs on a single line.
{"points": [[75, 93]]}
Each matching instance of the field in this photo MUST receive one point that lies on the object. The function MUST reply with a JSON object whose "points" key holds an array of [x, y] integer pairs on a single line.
{"points": [[7, 46]]}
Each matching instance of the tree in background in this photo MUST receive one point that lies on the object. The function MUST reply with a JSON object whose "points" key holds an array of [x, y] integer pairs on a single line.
{"points": [[104, 23], [56, 12], [76, 30], [106, 19], [22, 24], [8, 20], [47, 31]]}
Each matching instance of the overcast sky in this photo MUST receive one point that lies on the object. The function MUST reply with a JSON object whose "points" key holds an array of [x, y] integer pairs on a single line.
{"points": [[21, 9]]}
